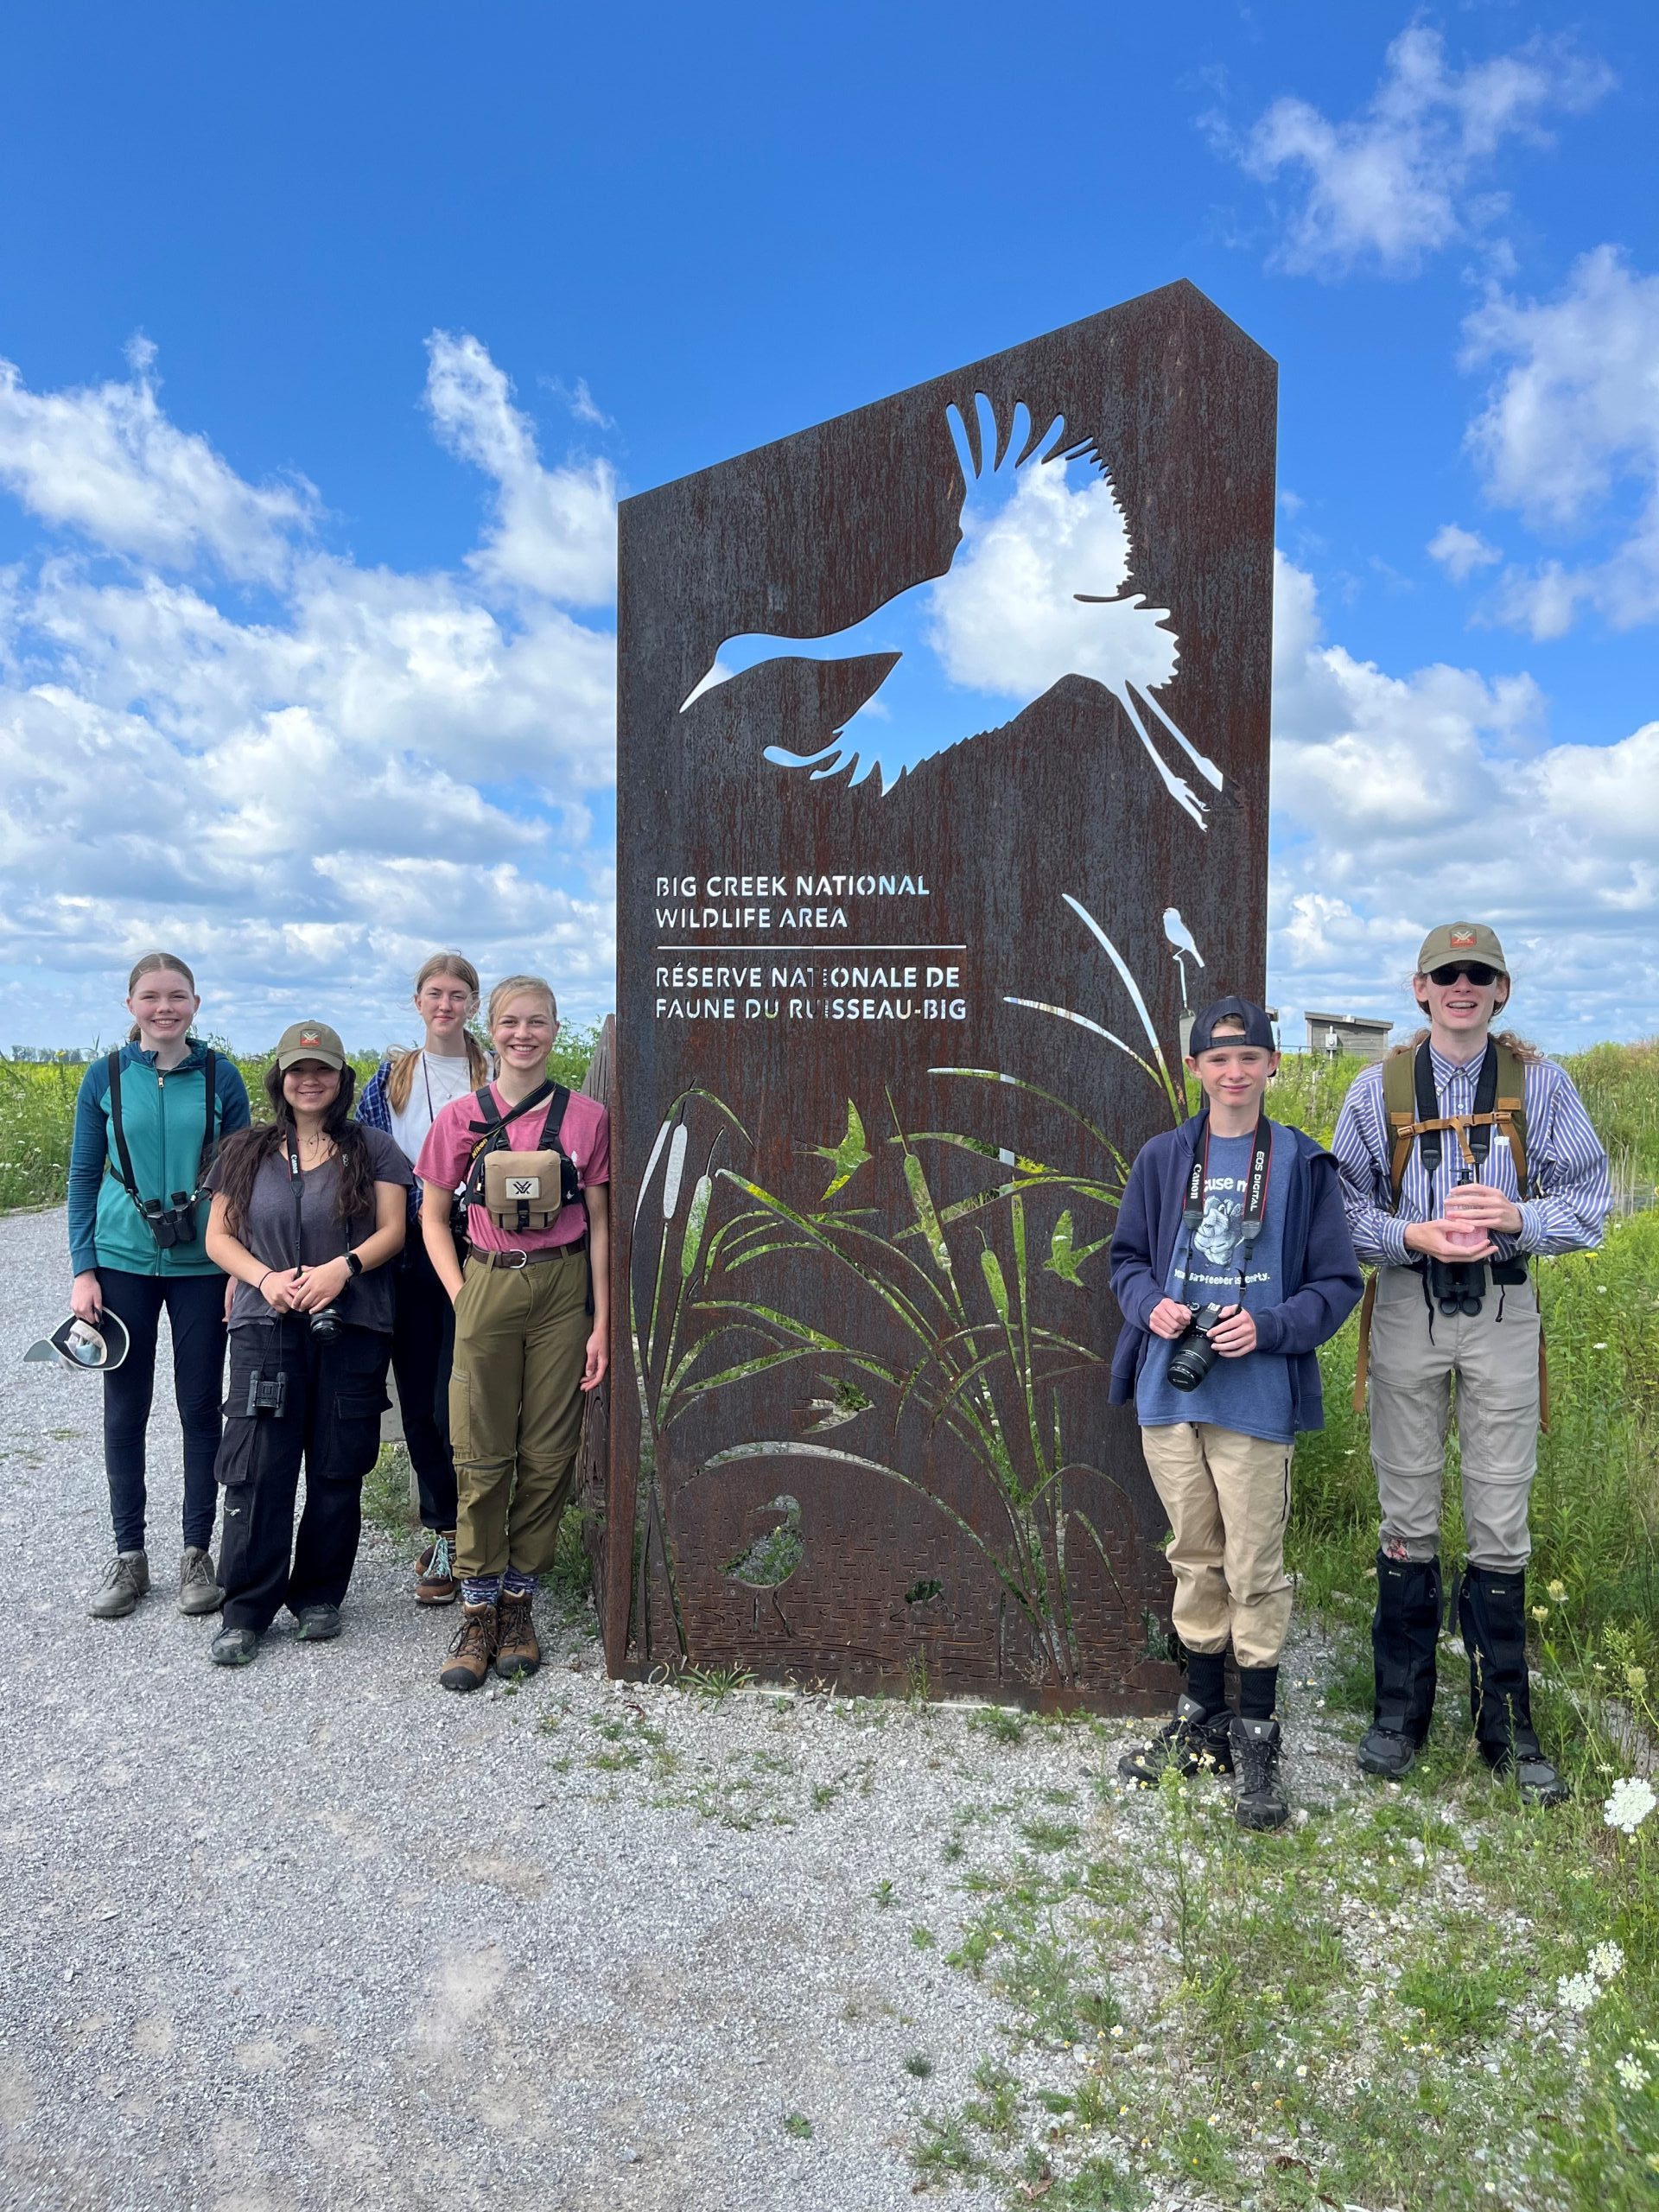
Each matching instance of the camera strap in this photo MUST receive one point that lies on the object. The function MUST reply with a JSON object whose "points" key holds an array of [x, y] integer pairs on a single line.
{"points": [[290, 1144], [1256, 1199]]}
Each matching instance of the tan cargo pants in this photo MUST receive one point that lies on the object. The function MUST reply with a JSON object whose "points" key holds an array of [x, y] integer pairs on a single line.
{"points": [[1495, 1362], [516, 1405], [1228, 1499]]}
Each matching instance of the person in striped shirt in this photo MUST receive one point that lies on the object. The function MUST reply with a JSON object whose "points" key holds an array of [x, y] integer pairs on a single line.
{"points": [[1453, 1296]]}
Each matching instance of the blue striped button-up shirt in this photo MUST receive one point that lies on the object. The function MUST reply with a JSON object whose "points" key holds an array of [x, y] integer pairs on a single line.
{"points": [[1566, 1167]]}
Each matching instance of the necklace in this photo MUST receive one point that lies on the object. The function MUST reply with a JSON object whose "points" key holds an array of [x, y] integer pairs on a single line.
{"points": [[317, 1148]]}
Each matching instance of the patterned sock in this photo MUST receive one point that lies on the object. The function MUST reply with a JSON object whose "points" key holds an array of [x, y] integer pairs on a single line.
{"points": [[481, 1590], [1206, 1679], [515, 1583], [1258, 1692]]}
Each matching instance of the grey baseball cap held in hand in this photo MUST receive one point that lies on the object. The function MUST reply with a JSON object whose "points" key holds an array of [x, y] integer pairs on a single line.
{"points": [[85, 1347], [1258, 1030]]}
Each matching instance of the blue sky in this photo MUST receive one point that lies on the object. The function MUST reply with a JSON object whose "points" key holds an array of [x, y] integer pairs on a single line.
{"points": [[334, 334]]}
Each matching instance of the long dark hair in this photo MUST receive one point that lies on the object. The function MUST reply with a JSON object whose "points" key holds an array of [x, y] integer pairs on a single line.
{"points": [[247, 1153]]}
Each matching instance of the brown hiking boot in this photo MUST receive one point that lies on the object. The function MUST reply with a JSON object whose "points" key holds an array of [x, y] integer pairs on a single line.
{"points": [[435, 1572], [473, 1649], [517, 1651]]}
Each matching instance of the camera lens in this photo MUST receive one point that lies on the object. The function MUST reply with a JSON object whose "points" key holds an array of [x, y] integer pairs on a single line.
{"points": [[1191, 1361], [325, 1323]]}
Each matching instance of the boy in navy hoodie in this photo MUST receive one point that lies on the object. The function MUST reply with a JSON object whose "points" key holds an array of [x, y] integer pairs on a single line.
{"points": [[1233, 1264]]}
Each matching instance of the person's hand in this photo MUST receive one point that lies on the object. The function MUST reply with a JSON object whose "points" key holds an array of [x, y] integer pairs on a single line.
{"points": [[230, 1298], [278, 1288], [1234, 1333], [1430, 1238], [87, 1297], [1477, 1206], [599, 1358], [1168, 1319], [318, 1287]]}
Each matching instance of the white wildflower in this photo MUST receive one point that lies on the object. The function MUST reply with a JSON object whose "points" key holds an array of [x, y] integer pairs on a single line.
{"points": [[1630, 1803], [1577, 1993], [1605, 1960], [1631, 2072]]}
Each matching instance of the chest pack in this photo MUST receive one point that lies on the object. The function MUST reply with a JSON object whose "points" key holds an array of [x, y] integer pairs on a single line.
{"points": [[170, 1217], [1413, 1115], [1412, 1108], [521, 1190]]}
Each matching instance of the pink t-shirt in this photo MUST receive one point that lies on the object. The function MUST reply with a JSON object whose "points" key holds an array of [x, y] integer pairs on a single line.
{"points": [[584, 1137]]}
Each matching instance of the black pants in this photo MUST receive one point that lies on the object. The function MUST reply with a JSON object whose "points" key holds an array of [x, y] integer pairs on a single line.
{"points": [[196, 1312], [422, 1353], [333, 1392]]}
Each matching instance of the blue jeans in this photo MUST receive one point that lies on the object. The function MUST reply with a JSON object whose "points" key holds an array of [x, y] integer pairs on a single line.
{"points": [[195, 1310]]}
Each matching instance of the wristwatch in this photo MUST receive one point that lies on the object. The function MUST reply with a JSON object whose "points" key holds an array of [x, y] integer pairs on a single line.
{"points": [[353, 1264]]}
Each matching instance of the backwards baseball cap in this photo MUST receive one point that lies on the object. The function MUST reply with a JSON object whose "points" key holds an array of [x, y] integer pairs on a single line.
{"points": [[1461, 941], [1258, 1030], [310, 1040]]}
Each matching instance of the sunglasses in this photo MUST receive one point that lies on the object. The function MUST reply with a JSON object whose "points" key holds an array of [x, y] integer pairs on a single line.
{"points": [[1476, 970]]}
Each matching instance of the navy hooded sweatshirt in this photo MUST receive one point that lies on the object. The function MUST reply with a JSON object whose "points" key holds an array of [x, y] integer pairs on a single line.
{"points": [[1319, 1274]]}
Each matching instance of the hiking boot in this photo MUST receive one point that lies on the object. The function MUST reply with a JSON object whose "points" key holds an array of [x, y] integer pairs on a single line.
{"points": [[473, 1649], [126, 1580], [1261, 1801], [1537, 1779], [198, 1591], [234, 1647], [517, 1651], [1194, 1742], [435, 1572], [1386, 1751], [319, 1624]]}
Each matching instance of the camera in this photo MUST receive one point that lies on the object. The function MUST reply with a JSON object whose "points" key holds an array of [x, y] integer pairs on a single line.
{"points": [[325, 1324], [1192, 1355]]}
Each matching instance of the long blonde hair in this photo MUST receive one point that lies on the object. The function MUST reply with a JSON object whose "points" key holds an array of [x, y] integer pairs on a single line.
{"points": [[400, 1079], [157, 963]]}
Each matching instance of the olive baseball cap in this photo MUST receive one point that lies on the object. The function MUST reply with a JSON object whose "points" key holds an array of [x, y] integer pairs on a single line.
{"points": [[310, 1040], [1461, 941]]}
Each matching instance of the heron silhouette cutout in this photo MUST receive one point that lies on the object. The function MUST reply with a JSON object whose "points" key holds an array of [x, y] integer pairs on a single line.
{"points": [[1038, 589]]}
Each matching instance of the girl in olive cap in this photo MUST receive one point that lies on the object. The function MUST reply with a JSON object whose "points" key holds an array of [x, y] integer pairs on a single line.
{"points": [[308, 1209]]}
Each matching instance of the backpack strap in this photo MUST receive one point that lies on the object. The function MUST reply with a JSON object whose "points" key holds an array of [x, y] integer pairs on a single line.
{"points": [[554, 1123], [1399, 1101], [1510, 1108]]}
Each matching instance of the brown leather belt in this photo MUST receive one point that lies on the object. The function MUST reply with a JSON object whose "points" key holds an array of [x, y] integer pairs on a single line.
{"points": [[515, 1260]]}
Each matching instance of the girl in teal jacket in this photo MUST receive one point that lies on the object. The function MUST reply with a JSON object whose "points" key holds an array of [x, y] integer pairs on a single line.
{"points": [[147, 1121]]}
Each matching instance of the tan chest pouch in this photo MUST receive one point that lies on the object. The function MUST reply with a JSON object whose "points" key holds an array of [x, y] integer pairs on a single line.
{"points": [[528, 1189]]}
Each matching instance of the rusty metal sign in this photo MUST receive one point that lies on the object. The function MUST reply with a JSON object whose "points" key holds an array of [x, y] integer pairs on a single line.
{"points": [[942, 793]]}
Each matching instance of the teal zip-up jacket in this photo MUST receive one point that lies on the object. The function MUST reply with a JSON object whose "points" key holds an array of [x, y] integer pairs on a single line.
{"points": [[162, 1117]]}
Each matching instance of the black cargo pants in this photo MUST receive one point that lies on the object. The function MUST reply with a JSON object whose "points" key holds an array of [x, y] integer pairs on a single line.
{"points": [[334, 1390]]}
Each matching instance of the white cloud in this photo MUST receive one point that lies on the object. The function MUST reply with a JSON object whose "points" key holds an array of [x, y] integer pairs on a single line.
{"points": [[555, 529], [309, 801], [1398, 181], [1402, 801], [1569, 438], [1460, 552], [107, 462]]}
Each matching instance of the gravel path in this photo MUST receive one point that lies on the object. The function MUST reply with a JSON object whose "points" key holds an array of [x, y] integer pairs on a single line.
{"points": [[319, 1933]]}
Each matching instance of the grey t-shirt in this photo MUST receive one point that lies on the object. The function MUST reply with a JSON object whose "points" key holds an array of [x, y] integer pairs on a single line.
{"points": [[268, 1232]]}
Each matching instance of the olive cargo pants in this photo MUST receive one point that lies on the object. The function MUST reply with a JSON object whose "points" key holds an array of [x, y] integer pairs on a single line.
{"points": [[516, 1405]]}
